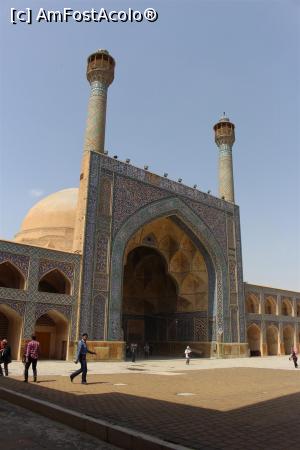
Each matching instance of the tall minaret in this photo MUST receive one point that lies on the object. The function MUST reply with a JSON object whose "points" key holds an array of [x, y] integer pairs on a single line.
{"points": [[100, 74], [224, 138]]}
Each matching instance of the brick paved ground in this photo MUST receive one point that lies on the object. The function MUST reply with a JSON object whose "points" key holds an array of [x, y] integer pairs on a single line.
{"points": [[236, 408]]}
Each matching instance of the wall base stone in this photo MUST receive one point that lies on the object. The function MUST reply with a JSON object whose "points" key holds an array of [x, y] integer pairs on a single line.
{"points": [[105, 350], [233, 350]]}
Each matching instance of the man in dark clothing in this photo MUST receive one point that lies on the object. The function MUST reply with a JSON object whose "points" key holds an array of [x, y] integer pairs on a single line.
{"points": [[5, 357], [133, 349], [146, 350], [31, 357], [81, 357]]}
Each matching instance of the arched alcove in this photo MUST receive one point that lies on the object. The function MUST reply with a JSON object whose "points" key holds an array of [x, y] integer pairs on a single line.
{"points": [[10, 276], [270, 306], [148, 291], [253, 334], [11, 328], [288, 339], [286, 307], [252, 304], [55, 282], [52, 331]]}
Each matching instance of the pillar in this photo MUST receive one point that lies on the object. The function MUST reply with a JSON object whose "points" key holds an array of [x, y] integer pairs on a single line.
{"points": [[261, 309], [281, 340], [263, 339], [278, 305]]}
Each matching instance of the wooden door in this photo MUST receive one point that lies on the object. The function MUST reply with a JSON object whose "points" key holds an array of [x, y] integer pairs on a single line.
{"points": [[44, 339]]}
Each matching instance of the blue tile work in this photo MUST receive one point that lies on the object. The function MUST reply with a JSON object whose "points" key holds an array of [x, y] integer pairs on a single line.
{"points": [[102, 255], [99, 317], [214, 218], [129, 196], [47, 265], [19, 307], [87, 293], [239, 277], [29, 302], [20, 261], [43, 308], [102, 240], [139, 197], [169, 206], [172, 187]]}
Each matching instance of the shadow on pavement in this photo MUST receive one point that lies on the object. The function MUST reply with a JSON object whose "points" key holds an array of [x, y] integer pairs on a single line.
{"points": [[271, 424]]}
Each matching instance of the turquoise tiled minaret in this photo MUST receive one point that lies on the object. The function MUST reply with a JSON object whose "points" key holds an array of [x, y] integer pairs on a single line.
{"points": [[100, 74], [224, 138]]}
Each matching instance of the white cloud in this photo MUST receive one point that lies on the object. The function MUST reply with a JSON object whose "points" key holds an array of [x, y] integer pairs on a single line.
{"points": [[36, 192]]}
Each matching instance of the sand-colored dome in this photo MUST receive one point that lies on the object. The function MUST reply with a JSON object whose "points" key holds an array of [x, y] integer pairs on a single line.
{"points": [[50, 222]]}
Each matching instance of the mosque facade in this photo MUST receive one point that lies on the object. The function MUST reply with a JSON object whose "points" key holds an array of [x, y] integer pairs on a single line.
{"points": [[133, 257]]}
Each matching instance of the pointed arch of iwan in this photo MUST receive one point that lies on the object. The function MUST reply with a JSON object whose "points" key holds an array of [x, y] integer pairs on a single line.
{"points": [[201, 236]]}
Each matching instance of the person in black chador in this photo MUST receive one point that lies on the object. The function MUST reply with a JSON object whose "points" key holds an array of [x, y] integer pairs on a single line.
{"points": [[133, 349], [294, 358], [147, 350]]}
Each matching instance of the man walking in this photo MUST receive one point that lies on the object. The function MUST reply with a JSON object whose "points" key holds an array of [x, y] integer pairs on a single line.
{"points": [[81, 357], [31, 357]]}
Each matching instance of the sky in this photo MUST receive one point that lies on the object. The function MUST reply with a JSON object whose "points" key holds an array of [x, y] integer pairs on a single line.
{"points": [[174, 78]]}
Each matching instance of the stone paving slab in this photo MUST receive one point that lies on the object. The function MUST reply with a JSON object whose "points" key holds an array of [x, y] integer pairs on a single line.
{"points": [[23, 429], [241, 408]]}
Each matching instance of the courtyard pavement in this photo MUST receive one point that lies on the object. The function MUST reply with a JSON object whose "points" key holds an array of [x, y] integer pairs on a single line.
{"points": [[155, 366], [250, 403], [23, 429]]}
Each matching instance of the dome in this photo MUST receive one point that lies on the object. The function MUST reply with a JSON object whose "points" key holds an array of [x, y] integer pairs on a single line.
{"points": [[50, 222]]}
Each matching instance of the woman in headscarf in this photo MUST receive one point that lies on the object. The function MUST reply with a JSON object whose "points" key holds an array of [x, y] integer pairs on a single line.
{"points": [[294, 358]]}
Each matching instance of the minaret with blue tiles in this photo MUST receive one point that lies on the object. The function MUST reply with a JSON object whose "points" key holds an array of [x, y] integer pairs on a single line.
{"points": [[100, 74], [224, 138]]}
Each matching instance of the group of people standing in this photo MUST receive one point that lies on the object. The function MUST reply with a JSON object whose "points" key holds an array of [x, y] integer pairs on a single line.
{"points": [[133, 350]]}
